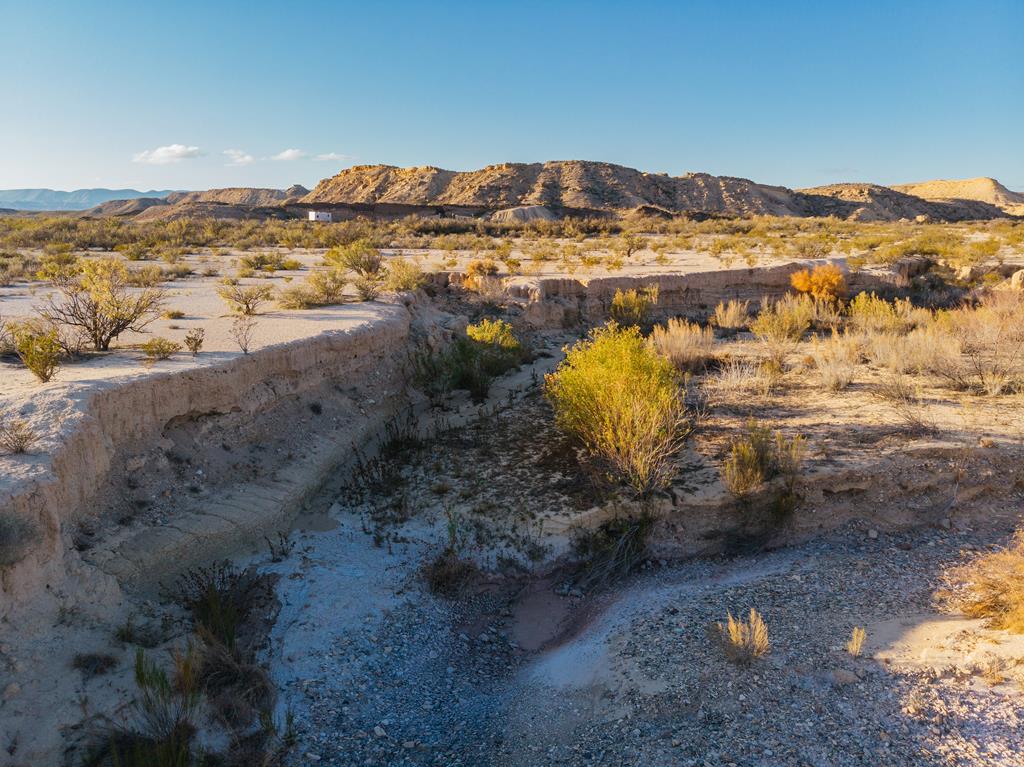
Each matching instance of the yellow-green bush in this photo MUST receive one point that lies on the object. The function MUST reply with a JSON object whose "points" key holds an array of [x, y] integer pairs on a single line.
{"points": [[624, 403], [632, 307]]}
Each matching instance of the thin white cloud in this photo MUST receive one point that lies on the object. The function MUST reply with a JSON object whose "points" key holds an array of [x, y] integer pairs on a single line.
{"points": [[289, 154], [239, 157], [165, 155], [333, 157]]}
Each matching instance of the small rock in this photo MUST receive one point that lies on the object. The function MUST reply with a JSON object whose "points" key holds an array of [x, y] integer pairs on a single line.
{"points": [[379, 732], [841, 676], [872, 534], [12, 690]]}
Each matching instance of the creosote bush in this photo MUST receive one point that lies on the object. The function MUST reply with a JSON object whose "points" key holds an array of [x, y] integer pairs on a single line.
{"points": [[403, 275], [624, 403], [94, 297], [158, 348], [39, 351], [322, 288], [194, 340], [632, 307], [245, 299]]}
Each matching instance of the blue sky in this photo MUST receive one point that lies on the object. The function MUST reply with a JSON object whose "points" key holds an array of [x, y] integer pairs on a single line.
{"points": [[792, 93]]}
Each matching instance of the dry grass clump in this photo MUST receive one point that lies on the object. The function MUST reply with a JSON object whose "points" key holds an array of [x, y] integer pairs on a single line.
{"points": [[685, 344], [624, 403], [836, 360], [632, 307], [732, 316], [744, 641], [870, 314], [17, 533], [781, 324], [992, 587], [736, 379], [907, 400], [856, 642], [759, 455], [991, 337]]}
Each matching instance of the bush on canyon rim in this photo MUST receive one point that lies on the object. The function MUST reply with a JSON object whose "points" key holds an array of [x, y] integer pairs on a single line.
{"points": [[624, 403]]}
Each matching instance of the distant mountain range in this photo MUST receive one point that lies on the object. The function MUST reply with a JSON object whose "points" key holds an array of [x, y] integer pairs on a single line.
{"points": [[79, 199], [526, 191]]}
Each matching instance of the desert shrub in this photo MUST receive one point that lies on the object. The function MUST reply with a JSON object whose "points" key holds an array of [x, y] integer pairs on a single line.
{"points": [[759, 455], [17, 534], [159, 349], [173, 314], [16, 268], [781, 324], [6, 337], [39, 351], [359, 257], [194, 340], [624, 403], [16, 436], [367, 286], [98, 301], [825, 282], [686, 345], [632, 307], [733, 315], [991, 339], [321, 288], [245, 300], [134, 251], [268, 262], [613, 550], [241, 332], [836, 360], [870, 314], [148, 276], [744, 641], [992, 586], [481, 267], [403, 275], [497, 333]]}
